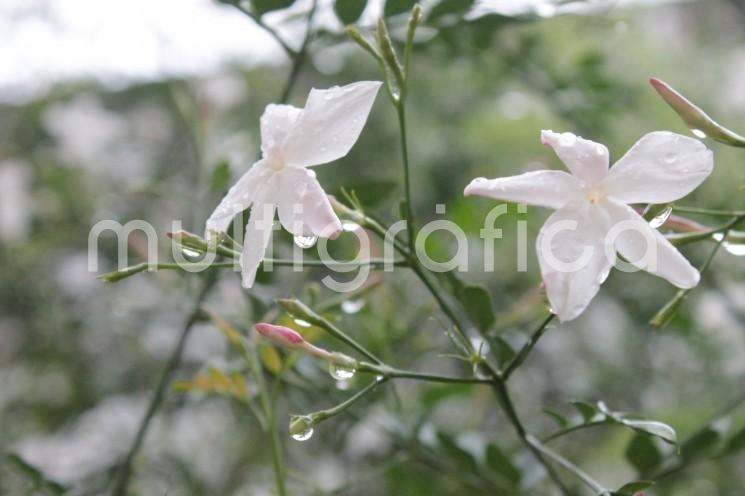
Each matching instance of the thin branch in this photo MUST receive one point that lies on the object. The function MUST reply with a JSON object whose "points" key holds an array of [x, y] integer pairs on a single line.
{"points": [[525, 350]]}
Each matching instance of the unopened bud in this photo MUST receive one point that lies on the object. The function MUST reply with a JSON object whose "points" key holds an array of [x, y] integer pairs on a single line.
{"points": [[280, 334], [696, 119]]}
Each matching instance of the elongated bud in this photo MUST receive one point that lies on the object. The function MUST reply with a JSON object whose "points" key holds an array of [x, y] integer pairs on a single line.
{"points": [[416, 17], [198, 243], [667, 312], [358, 38], [118, 275], [280, 334], [696, 119], [389, 53]]}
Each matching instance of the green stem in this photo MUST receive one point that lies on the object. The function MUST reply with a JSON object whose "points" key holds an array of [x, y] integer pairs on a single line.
{"points": [[409, 211], [392, 373], [525, 350], [322, 415], [708, 211], [573, 428], [595, 486]]}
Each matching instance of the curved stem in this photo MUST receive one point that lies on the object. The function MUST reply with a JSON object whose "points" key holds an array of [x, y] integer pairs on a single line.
{"points": [[573, 428], [525, 350], [392, 373]]}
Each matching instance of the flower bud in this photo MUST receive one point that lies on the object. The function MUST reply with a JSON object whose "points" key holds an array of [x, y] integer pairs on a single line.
{"points": [[280, 334], [696, 119]]}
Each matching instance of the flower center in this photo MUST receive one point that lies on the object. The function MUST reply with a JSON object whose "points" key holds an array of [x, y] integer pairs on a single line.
{"points": [[595, 194], [276, 165]]}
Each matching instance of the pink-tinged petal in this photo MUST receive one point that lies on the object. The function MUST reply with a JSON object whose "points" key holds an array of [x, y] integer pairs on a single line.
{"points": [[646, 248], [329, 124], [304, 208], [276, 123], [239, 198], [280, 334], [552, 189], [586, 159], [661, 167], [258, 234], [574, 257]]}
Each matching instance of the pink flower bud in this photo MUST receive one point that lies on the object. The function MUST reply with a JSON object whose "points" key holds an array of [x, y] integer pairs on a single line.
{"points": [[280, 334]]}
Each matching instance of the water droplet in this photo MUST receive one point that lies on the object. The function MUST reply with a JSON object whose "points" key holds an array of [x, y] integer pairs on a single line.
{"points": [[698, 133], [349, 226], [340, 373], [670, 158], [342, 385], [304, 435], [661, 218], [352, 306], [189, 252], [479, 180], [567, 139], [736, 249], [302, 323], [305, 242]]}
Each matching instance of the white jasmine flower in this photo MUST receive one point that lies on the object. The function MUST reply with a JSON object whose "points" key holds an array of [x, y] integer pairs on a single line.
{"points": [[593, 220], [293, 139]]}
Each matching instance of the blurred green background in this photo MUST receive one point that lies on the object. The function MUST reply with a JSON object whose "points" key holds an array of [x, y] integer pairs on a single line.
{"points": [[79, 358]]}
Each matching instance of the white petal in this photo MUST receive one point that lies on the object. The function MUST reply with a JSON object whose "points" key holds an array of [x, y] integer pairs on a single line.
{"points": [[659, 168], [239, 198], [329, 124], [304, 208], [276, 123], [646, 248], [573, 257], [586, 159], [258, 234], [552, 189]]}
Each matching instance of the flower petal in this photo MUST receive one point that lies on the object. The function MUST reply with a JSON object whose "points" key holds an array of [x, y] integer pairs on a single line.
{"points": [[258, 234], [238, 199], [646, 248], [661, 167], [276, 122], [329, 124], [304, 207], [552, 189], [573, 257], [586, 159]]}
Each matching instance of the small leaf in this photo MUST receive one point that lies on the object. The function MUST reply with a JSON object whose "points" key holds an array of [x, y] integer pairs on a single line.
{"points": [[700, 444], [270, 358], [261, 7], [395, 7], [585, 409], [696, 119], [501, 463], [226, 328], [456, 453], [561, 420], [220, 179], [348, 11], [632, 488], [643, 454], [736, 442], [478, 306], [653, 428]]}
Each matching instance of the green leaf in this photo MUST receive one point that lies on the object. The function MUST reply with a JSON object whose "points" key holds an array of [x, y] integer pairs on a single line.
{"points": [[700, 444], [261, 7], [220, 179], [504, 352], [450, 7], [560, 419], [477, 303], [348, 11], [450, 448], [736, 442], [435, 394], [395, 7], [696, 119], [652, 428], [642, 453], [633, 487], [585, 409], [501, 463]]}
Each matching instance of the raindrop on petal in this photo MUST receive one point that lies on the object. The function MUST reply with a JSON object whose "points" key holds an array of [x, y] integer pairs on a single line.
{"points": [[698, 133]]}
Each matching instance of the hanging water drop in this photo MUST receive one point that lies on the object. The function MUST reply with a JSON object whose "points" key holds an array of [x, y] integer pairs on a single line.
{"points": [[349, 226], [661, 218], [340, 372], [698, 133], [303, 435], [302, 323], [305, 242], [301, 427], [352, 306], [189, 252], [736, 249]]}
